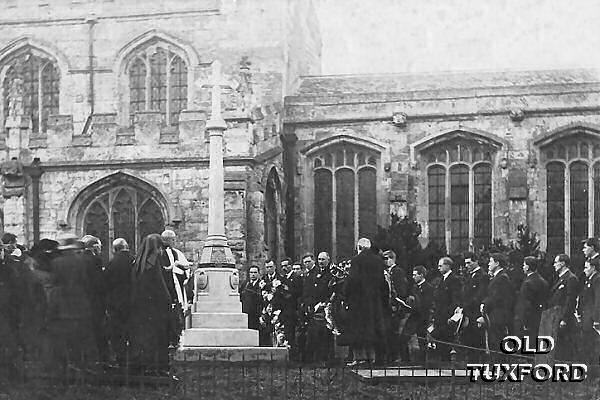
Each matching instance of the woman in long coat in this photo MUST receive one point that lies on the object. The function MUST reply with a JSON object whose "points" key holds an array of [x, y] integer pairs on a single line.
{"points": [[150, 310]]}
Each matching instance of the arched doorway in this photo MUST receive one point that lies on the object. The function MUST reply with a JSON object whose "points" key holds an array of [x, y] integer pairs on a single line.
{"points": [[272, 210], [120, 205]]}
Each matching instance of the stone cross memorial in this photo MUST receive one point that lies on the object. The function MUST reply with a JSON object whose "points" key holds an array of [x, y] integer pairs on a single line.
{"points": [[217, 320]]}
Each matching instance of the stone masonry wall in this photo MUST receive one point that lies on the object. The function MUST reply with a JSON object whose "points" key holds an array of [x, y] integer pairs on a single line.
{"points": [[265, 37], [517, 114]]}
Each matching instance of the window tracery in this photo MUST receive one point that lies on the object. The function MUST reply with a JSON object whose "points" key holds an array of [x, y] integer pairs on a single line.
{"points": [[459, 183], [158, 81], [345, 197], [31, 88]]}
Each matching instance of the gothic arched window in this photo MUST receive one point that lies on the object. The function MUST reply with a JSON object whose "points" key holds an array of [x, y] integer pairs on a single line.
{"points": [[158, 81], [345, 198], [125, 212], [459, 184], [572, 190], [31, 88]]}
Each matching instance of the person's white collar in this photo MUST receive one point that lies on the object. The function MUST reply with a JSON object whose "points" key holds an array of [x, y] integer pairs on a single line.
{"points": [[446, 274], [564, 271]]}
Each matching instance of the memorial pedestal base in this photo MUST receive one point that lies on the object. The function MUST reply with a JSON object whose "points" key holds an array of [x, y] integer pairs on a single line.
{"points": [[231, 354]]}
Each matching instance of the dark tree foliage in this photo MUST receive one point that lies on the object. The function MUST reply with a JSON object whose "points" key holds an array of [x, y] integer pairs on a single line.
{"points": [[526, 244], [402, 236]]}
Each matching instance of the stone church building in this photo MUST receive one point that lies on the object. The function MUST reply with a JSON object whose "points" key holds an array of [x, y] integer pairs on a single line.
{"points": [[103, 131]]}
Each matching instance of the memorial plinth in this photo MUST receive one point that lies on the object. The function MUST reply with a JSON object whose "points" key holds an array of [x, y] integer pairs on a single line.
{"points": [[217, 329], [217, 319]]}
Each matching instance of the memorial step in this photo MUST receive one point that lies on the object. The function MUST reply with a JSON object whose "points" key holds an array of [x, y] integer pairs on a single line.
{"points": [[219, 320], [223, 337], [225, 305]]}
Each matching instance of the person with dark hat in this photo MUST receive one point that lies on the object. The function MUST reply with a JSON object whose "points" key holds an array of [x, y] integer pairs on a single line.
{"points": [[38, 261], [69, 316]]}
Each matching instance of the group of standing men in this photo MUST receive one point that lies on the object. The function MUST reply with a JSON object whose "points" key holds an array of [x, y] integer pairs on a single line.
{"points": [[288, 307], [61, 304], [388, 313]]}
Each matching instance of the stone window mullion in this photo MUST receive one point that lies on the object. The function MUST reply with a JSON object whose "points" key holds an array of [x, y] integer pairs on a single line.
{"points": [[448, 207], [591, 232], [148, 81], [334, 216], [471, 208], [168, 91], [567, 210], [40, 96]]}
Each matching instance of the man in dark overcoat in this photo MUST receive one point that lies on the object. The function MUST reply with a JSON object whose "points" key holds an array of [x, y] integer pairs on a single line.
{"points": [[95, 267], [251, 297], [366, 294], [292, 281], [475, 290], [118, 292], [563, 295], [447, 298], [10, 319], [70, 320], [397, 339], [498, 304], [421, 298], [530, 300], [589, 310], [316, 338]]}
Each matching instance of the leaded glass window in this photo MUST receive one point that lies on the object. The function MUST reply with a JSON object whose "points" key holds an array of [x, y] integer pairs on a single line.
{"points": [[436, 178], [459, 206], [158, 81], [482, 174], [572, 191], [579, 204], [35, 80], [345, 198], [459, 192], [122, 212], [555, 215]]}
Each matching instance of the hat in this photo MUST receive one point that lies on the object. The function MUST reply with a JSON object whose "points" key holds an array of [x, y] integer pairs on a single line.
{"points": [[70, 244], [592, 242], [47, 245]]}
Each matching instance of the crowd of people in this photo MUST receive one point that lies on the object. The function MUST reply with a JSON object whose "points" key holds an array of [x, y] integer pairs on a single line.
{"points": [[371, 310], [62, 305]]}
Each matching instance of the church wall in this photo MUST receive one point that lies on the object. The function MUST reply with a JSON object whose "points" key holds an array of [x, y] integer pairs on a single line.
{"points": [[399, 120], [238, 33], [186, 188]]}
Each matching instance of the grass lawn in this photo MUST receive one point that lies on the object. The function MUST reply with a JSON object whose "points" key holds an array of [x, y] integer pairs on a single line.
{"points": [[276, 381]]}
